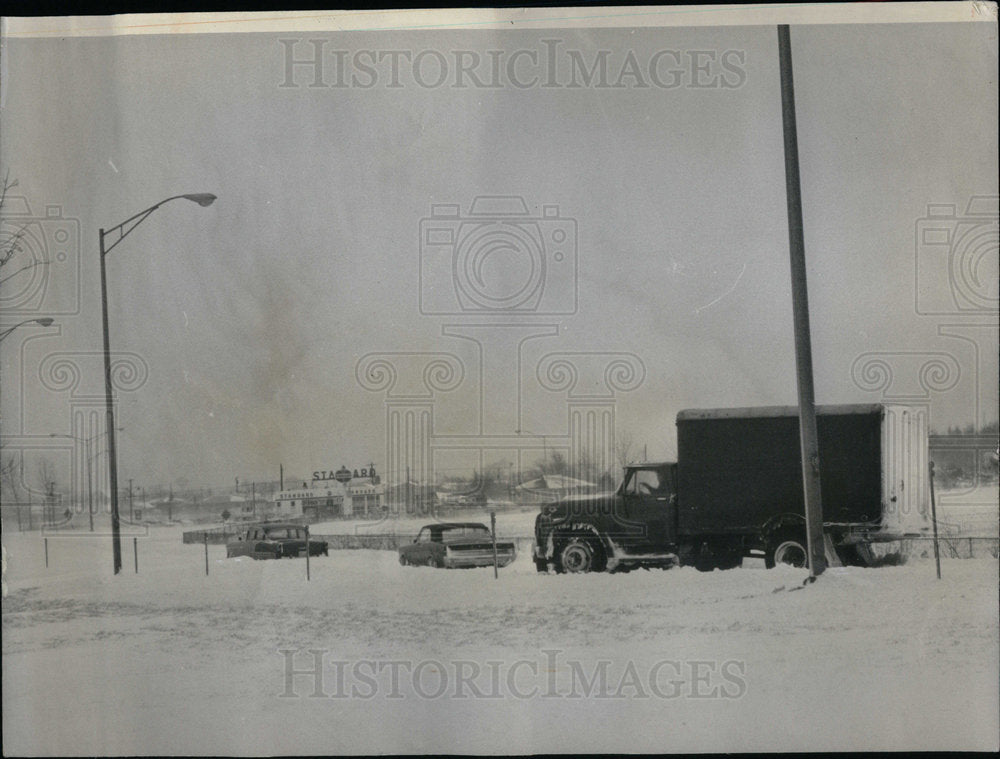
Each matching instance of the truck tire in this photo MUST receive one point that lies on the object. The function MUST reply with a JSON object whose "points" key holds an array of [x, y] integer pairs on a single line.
{"points": [[578, 555], [786, 548]]}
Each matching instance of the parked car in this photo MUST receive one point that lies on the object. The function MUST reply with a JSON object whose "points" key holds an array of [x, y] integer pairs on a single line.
{"points": [[456, 544], [275, 541]]}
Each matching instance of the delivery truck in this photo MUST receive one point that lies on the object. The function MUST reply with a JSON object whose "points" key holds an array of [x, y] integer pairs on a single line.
{"points": [[736, 491]]}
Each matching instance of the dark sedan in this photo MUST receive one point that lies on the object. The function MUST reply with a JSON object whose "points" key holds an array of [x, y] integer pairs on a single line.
{"points": [[275, 541], [456, 544]]}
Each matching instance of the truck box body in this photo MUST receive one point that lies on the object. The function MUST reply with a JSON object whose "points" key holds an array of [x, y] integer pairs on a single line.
{"points": [[737, 468]]}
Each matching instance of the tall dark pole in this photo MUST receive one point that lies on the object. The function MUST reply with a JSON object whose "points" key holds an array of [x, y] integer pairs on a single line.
{"points": [[131, 511], [800, 313], [202, 199], [116, 542], [90, 486], [937, 552]]}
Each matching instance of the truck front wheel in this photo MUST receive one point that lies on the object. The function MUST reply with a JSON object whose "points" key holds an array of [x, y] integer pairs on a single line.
{"points": [[577, 555], [786, 548]]}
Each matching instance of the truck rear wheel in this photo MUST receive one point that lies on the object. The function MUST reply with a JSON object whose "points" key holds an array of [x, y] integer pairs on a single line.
{"points": [[786, 548]]}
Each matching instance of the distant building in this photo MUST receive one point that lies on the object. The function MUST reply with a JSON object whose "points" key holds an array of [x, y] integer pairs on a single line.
{"points": [[332, 495]]}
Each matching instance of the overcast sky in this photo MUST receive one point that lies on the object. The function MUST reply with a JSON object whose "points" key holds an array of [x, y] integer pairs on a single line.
{"points": [[252, 314]]}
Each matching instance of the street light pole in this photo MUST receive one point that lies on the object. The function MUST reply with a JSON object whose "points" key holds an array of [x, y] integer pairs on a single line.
{"points": [[45, 321], [123, 229], [116, 545]]}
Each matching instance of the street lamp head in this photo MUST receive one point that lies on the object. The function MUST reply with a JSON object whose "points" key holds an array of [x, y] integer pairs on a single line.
{"points": [[45, 321], [201, 198]]}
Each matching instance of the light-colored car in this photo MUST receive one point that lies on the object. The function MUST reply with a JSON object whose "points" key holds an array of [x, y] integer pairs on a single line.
{"points": [[452, 545]]}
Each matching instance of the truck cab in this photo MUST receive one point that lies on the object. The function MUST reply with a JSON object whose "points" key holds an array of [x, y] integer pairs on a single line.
{"points": [[633, 526]]}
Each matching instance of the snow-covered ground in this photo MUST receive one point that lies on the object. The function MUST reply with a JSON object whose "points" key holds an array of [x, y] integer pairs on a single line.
{"points": [[421, 660]]}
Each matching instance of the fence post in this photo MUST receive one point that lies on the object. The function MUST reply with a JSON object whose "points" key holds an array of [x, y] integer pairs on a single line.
{"points": [[135, 552], [937, 552], [46, 553], [205, 536], [493, 533]]}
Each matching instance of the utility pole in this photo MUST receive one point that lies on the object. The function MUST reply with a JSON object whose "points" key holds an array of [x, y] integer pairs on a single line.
{"points": [[170, 504], [90, 487], [253, 498], [281, 477], [800, 314], [407, 488], [131, 511]]}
